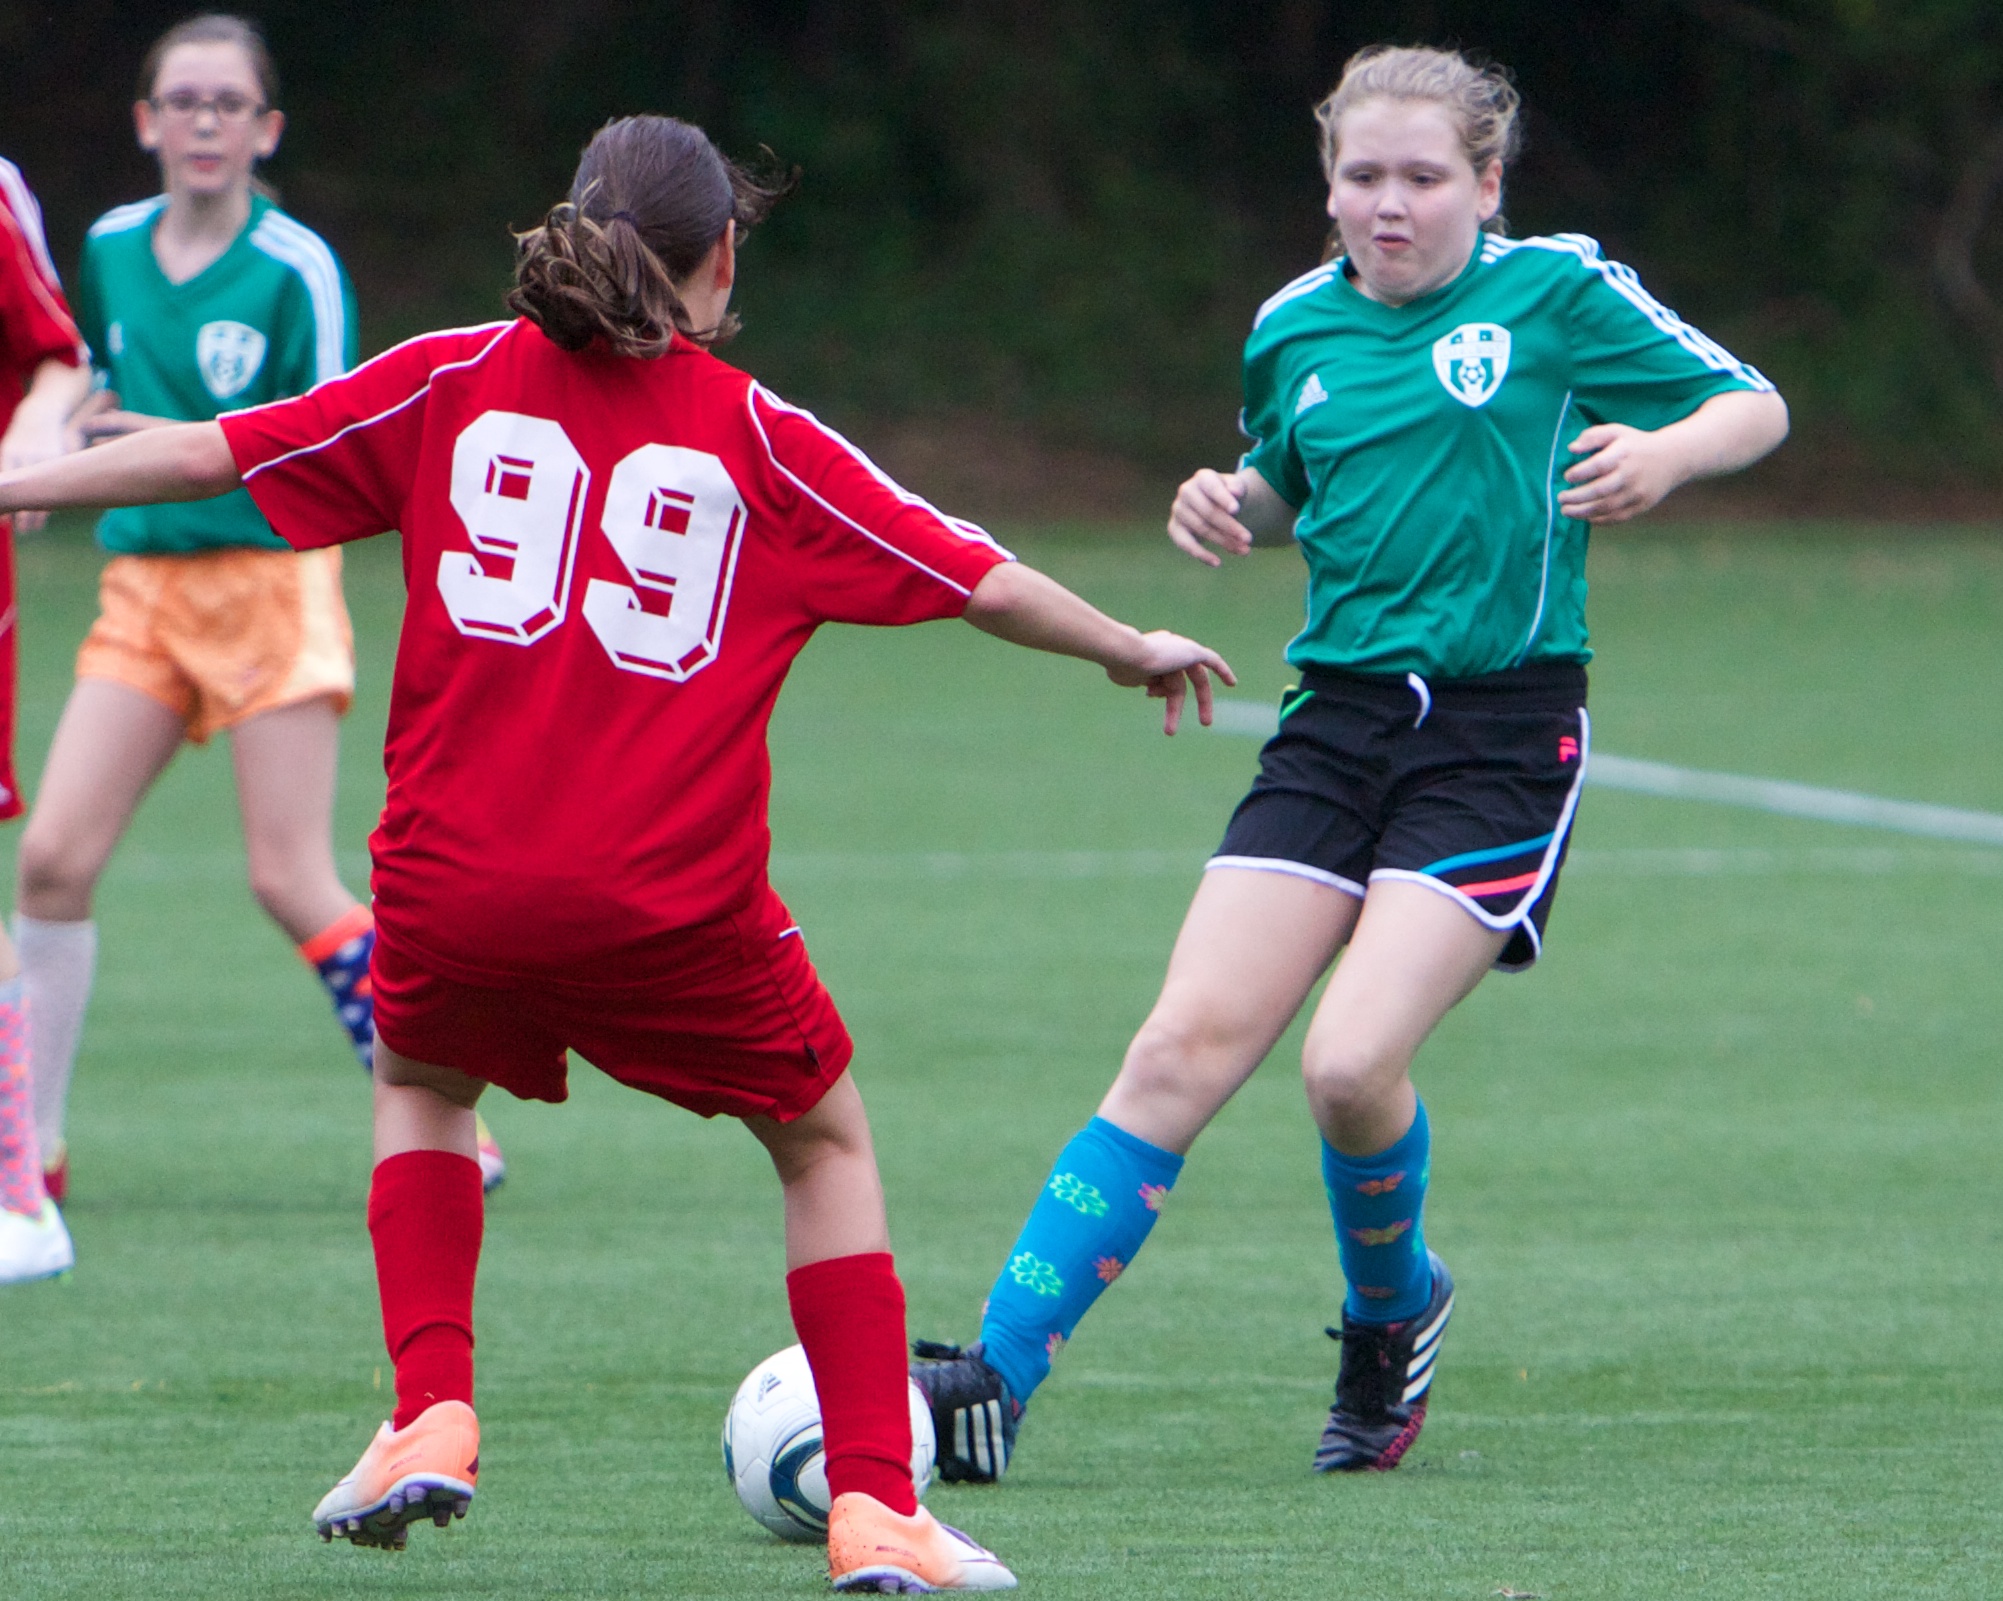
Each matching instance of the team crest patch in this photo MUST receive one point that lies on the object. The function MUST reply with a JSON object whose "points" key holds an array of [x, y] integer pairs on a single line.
{"points": [[229, 355], [1472, 361]]}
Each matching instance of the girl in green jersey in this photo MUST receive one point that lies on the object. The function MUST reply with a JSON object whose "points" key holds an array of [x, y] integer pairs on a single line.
{"points": [[201, 299], [1439, 414]]}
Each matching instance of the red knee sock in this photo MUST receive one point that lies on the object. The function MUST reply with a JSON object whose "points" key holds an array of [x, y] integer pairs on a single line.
{"points": [[425, 1216], [850, 1315]]}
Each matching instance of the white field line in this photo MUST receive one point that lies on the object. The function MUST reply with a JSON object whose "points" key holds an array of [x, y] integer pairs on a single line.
{"points": [[1776, 795], [1059, 866], [906, 867]]}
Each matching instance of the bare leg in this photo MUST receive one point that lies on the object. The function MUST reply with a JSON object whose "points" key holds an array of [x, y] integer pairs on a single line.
{"points": [[110, 746], [1413, 957], [827, 1166], [1251, 949], [285, 767], [420, 1107]]}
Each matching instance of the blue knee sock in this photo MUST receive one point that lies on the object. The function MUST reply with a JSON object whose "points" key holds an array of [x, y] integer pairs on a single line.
{"points": [[340, 954], [1093, 1215], [1377, 1202]]}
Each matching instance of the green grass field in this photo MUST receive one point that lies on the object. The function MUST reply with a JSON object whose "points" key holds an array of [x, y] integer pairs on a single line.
{"points": [[1718, 1181]]}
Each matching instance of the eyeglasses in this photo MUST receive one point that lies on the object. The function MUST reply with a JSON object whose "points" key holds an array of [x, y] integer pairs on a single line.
{"points": [[229, 106]]}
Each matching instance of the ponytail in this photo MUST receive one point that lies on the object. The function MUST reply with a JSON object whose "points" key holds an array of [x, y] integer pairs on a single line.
{"points": [[651, 198]]}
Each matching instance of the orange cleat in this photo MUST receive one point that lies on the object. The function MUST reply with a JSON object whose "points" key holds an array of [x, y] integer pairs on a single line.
{"points": [[426, 1470], [878, 1551]]}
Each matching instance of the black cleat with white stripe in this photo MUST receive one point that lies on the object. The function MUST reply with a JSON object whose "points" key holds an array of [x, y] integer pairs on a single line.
{"points": [[973, 1413], [1380, 1390]]}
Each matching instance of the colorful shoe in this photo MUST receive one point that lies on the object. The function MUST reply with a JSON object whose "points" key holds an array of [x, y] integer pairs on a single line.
{"points": [[973, 1414], [881, 1552], [35, 1247], [1380, 1390], [425, 1470], [493, 1165], [56, 1173]]}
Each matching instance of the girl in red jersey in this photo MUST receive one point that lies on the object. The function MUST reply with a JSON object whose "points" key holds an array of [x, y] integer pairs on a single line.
{"points": [[44, 377], [615, 545]]}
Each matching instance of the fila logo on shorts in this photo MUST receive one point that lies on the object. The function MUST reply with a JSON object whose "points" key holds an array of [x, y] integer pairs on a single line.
{"points": [[1472, 361], [229, 355]]}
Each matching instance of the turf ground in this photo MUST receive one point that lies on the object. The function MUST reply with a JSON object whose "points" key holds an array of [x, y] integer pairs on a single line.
{"points": [[1718, 1181]]}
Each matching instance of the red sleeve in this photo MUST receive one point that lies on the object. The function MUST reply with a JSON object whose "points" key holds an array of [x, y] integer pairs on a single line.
{"points": [[867, 550], [35, 321], [337, 462]]}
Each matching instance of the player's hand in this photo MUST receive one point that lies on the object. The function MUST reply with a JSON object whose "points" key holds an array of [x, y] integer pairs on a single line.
{"points": [[1170, 666], [1206, 513], [28, 444], [1626, 472]]}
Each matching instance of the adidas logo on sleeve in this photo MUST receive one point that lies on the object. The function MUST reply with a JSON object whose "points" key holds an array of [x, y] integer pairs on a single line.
{"points": [[1312, 394]]}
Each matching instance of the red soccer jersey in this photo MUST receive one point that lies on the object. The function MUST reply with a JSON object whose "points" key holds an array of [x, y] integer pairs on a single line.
{"points": [[35, 321], [611, 564]]}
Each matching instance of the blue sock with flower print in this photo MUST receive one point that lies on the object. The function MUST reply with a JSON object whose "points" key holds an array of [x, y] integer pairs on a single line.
{"points": [[1378, 1203], [1093, 1215]]}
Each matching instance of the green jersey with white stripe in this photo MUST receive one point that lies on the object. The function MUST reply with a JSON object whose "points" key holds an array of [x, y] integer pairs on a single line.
{"points": [[1425, 446], [270, 317]]}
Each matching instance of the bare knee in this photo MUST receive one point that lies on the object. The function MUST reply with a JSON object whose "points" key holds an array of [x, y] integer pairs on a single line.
{"points": [[1348, 1080], [835, 1130], [1181, 1067], [1169, 1056], [56, 877]]}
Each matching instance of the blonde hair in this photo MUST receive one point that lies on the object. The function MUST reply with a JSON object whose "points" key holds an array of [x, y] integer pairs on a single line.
{"points": [[1481, 100]]}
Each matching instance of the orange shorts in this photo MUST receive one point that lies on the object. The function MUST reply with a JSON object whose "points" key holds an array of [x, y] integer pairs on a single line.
{"points": [[220, 635]]}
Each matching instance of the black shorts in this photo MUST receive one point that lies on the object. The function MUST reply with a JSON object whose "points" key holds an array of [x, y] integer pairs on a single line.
{"points": [[1467, 786]]}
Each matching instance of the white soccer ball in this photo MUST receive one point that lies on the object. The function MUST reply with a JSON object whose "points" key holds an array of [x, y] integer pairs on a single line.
{"points": [[772, 1447]]}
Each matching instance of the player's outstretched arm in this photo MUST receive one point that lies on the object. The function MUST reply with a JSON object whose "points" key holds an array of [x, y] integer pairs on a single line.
{"points": [[185, 461], [1230, 511], [1627, 471], [1021, 605]]}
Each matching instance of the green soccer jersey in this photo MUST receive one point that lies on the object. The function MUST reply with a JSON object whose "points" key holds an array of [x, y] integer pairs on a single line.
{"points": [[270, 317], [1425, 446]]}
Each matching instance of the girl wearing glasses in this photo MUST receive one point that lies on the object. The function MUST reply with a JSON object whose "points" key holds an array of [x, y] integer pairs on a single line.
{"points": [[204, 298]]}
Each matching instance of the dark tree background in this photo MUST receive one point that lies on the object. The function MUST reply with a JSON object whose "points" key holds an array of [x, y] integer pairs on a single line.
{"points": [[1057, 219]]}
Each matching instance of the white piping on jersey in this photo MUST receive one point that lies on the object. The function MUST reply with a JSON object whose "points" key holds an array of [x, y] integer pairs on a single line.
{"points": [[28, 213], [122, 219], [390, 411], [1550, 524], [1622, 280], [292, 244], [25, 215], [1306, 284], [756, 391], [405, 344]]}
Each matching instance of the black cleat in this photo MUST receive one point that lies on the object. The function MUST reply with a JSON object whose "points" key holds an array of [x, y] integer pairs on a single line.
{"points": [[1380, 1390], [973, 1413]]}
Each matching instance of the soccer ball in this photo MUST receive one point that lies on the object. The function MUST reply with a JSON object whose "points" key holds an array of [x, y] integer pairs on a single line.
{"points": [[772, 1447]]}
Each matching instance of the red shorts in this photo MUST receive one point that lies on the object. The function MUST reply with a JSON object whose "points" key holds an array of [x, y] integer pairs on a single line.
{"points": [[728, 1018]]}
